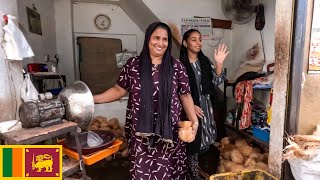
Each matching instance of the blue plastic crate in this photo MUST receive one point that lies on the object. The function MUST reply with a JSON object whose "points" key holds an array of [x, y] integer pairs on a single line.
{"points": [[263, 135]]}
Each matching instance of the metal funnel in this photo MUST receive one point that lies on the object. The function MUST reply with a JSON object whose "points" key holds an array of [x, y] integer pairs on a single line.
{"points": [[78, 101]]}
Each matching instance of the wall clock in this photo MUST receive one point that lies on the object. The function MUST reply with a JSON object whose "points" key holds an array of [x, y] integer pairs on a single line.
{"points": [[102, 22]]}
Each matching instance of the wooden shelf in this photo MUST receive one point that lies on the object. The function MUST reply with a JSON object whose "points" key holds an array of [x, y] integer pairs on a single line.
{"points": [[262, 144], [262, 88], [69, 166]]}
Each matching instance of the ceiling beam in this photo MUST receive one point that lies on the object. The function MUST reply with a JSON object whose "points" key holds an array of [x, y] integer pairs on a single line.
{"points": [[115, 2]]}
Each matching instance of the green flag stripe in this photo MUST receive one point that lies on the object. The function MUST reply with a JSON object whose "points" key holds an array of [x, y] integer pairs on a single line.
{"points": [[7, 162]]}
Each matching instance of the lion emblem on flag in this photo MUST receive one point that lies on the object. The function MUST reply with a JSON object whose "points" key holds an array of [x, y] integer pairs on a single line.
{"points": [[43, 161]]}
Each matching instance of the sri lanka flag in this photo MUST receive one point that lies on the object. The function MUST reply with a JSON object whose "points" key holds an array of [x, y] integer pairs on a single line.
{"points": [[27, 162]]}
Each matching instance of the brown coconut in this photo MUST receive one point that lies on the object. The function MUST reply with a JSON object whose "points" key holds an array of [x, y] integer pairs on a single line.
{"points": [[225, 141], [256, 156], [237, 157], [226, 155], [94, 127], [101, 118], [250, 162], [184, 124], [236, 168], [227, 164], [240, 142], [185, 134], [245, 150], [105, 128], [104, 124], [114, 123], [226, 151]]}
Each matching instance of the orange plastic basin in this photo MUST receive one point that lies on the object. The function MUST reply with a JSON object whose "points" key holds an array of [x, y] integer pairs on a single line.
{"points": [[97, 156]]}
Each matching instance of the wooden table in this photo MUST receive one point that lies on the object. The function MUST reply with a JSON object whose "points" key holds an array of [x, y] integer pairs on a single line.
{"points": [[38, 134]]}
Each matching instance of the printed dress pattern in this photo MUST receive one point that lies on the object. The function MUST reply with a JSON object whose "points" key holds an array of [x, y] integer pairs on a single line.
{"points": [[160, 162]]}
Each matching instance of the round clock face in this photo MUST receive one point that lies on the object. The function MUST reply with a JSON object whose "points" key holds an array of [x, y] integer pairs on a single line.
{"points": [[102, 22]]}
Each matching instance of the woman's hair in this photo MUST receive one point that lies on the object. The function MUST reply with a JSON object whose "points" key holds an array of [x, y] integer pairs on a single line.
{"points": [[184, 51], [185, 61], [165, 85]]}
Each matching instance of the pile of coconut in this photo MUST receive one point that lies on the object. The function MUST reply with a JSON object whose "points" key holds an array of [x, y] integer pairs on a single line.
{"points": [[237, 155], [112, 125]]}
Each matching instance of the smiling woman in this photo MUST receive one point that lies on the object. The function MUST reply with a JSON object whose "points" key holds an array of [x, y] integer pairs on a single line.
{"points": [[158, 45], [158, 88]]}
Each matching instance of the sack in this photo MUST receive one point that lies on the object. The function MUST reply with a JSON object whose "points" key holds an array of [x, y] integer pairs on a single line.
{"points": [[28, 91], [305, 169]]}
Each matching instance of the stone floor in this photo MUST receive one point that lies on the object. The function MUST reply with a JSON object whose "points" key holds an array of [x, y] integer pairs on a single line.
{"points": [[117, 169]]}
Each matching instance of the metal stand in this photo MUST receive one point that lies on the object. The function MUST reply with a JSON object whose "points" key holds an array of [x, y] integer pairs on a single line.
{"points": [[82, 166], [38, 134]]}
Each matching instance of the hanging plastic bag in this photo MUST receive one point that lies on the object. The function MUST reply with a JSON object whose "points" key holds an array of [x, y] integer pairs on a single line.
{"points": [[28, 91], [16, 46], [123, 57], [93, 139]]}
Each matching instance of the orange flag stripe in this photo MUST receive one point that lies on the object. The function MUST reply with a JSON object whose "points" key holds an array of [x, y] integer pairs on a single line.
{"points": [[17, 162]]}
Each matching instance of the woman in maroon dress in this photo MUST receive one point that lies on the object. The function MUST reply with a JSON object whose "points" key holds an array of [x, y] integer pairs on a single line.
{"points": [[158, 88]]}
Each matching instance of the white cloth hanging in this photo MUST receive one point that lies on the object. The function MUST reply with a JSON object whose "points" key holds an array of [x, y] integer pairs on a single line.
{"points": [[16, 45]]}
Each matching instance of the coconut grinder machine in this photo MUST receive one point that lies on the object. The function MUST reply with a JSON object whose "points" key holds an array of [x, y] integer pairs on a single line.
{"points": [[74, 103]]}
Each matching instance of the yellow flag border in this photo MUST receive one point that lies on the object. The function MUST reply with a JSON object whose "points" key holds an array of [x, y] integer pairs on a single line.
{"points": [[23, 147]]}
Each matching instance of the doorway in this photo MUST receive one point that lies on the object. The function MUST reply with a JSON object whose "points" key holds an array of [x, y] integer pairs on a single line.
{"points": [[97, 62]]}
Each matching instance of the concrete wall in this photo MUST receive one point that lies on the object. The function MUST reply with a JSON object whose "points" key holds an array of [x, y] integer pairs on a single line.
{"points": [[122, 27], [245, 36], [64, 38], [309, 115], [10, 71], [40, 44], [171, 12]]}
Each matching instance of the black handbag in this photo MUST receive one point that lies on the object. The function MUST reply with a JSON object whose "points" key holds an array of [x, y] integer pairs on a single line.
{"points": [[260, 18]]}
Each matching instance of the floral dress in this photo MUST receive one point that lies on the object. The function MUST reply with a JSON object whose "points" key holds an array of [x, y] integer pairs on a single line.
{"points": [[161, 161]]}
